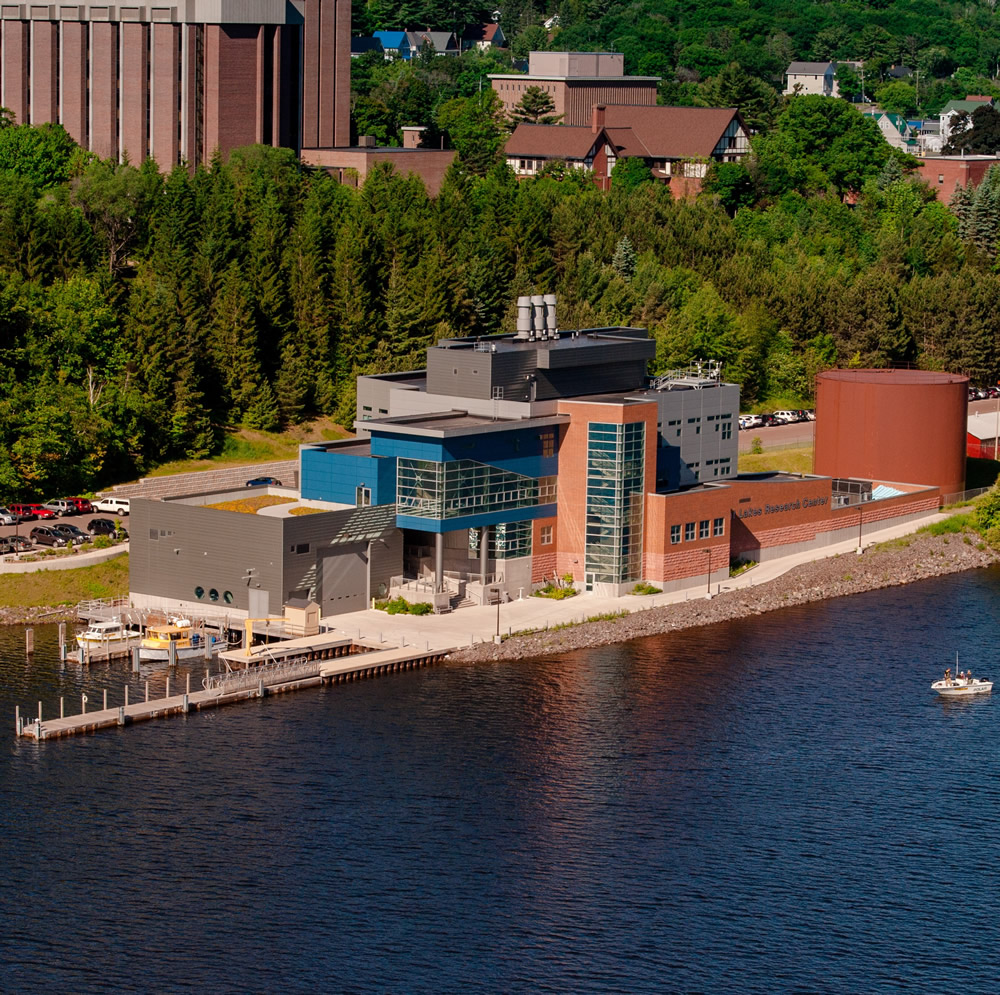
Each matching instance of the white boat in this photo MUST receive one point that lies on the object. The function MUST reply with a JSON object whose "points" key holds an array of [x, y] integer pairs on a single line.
{"points": [[961, 687], [108, 636]]}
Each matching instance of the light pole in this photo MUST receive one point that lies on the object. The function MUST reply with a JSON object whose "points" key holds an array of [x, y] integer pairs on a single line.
{"points": [[861, 518], [708, 589]]}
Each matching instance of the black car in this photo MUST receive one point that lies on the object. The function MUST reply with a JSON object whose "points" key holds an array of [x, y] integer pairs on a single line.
{"points": [[105, 527], [17, 543], [71, 533], [264, 482], [45, 535]]}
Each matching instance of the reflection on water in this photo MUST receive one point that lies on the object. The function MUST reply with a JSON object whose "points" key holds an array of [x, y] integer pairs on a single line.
{"points": [[777, 804]]}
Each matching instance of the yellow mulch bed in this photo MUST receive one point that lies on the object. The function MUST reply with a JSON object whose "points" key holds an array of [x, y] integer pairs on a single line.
{"points": [[251, 505], [305, 511]]}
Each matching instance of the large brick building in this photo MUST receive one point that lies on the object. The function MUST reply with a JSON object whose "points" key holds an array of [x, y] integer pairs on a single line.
{"points": [[177, 82]]}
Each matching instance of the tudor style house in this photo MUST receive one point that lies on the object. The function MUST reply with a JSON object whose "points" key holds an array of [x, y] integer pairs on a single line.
{"points": [[677, 143]]}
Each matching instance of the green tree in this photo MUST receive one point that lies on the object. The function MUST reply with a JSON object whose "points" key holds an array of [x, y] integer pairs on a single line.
{"points": [[476, 128], [977, 134], [629, 173], [535, 107], [897, 97], [757, 101], [624, 260]]}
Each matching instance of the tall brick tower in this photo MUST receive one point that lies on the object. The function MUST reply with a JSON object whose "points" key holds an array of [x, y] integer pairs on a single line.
{"points": [[178, 82]]}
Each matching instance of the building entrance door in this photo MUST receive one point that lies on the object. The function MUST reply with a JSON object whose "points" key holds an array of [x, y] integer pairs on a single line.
{"points": [[588, 582]]}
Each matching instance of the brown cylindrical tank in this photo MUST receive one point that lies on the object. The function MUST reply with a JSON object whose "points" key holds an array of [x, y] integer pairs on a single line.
{"points": [[902, 426]]}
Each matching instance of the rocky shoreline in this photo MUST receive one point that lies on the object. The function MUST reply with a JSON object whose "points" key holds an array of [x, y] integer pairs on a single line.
{"points": [[37, 615], [900, 561]]}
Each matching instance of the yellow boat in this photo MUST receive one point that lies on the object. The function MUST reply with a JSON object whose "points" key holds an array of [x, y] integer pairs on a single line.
{"points": [[179, 633]]}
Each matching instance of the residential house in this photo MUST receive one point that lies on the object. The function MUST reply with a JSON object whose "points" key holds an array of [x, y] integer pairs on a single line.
{"points": [[896, 130], [955, 110], [576, 81], [677, 143], [362, 46], [815, 77], [440, 42], [483, 37], [395, 44]]}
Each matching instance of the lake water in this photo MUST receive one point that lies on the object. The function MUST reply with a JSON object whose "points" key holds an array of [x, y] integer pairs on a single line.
{"points": [[778, 804]]}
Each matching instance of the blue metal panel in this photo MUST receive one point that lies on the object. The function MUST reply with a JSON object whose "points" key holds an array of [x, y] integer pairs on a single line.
{"points": [[333, 476], [475, 521]]}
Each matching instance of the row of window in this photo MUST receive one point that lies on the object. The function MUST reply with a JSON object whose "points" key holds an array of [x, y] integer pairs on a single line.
{"points": [[213, 595], [698, 530]]}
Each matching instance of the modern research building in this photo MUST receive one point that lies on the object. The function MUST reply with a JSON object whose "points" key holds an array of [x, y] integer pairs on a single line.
{"points": [[509, 461]]}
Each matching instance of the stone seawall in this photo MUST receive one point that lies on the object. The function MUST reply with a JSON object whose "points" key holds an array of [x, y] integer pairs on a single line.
{"points": [[899, 561]]}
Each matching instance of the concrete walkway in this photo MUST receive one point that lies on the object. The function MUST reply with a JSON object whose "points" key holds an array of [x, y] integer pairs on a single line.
{"points": [[15, 565], [480, 624]]}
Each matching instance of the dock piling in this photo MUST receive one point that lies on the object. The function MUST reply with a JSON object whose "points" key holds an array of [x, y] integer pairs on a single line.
{"points": [[135, 659], [147, 692], [126, 695], [39, 713], [172, 655], [83, 704], [185, 704], [121, 715], [17, 719], [29, 641], [166, 694], [187, 686], [62, 708], [105, 699]]}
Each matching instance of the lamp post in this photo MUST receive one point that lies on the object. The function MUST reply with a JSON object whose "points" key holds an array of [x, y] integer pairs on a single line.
{"points": [[861, 518], [708, 588]]}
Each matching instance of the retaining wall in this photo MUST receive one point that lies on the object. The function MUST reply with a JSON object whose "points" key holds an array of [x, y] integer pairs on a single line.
{"points": [[201, 481]]}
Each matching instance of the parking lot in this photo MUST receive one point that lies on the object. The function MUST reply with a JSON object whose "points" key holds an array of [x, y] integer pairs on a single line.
{"points": [[80, 521]]}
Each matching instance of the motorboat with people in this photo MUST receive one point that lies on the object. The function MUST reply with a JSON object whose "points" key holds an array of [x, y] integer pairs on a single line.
{"points": [[109, 636], [179, 638], [961, 685]]}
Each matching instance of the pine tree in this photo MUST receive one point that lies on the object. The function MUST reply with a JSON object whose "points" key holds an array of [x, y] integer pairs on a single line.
{"points": [[535, 107], [624, 260]]}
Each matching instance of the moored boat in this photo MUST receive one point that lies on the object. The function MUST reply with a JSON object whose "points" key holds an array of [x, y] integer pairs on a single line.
{"points": [[181, 634], [108, 636]]}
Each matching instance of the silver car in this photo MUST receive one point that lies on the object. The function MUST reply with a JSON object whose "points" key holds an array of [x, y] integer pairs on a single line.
{"points": [[7, 517]]}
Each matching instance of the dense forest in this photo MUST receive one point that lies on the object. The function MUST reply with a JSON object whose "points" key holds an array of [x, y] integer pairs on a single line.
{"points": [[143, 315]]}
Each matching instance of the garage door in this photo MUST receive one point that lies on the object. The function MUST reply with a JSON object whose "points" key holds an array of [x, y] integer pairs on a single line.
{"points": [[344, 578]]}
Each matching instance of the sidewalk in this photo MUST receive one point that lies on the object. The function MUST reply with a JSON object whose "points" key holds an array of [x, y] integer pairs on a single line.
{"points": [[481, 623], [13, 565]]}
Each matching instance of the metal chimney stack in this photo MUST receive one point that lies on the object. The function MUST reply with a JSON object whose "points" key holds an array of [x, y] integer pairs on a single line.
{"points": [[538, 316], [551, 325], [524, 333]]}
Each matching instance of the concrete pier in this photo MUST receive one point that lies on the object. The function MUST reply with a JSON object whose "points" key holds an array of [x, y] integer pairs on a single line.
{"points": [[324, 665]]}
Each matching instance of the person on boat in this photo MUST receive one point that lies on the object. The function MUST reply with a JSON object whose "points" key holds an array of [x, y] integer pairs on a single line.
{"points": [[947, 674]]}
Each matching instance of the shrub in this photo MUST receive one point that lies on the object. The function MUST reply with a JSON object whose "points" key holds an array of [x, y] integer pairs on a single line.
{"points": [[756, 446], [553, 591], [103, 542], [400, 606], [643, 588]]}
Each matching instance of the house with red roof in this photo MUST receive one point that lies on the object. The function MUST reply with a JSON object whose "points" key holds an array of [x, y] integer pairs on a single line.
{"points": [[676, 143], [483, 37]]}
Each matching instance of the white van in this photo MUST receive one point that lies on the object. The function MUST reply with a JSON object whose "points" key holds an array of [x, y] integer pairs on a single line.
{"points": [[112, 505], [787, 417]]}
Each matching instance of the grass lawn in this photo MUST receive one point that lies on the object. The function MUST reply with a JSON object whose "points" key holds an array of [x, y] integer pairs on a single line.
{"points": [[65, 587], [798, 460], [251, 505], [250, 446]]}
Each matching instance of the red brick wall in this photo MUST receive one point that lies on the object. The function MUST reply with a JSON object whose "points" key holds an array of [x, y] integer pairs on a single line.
{"points": [[165, 137], [104, 90], [544, 563], [74, 80], [232, 88], [944, 175], [572, 532], [134, 91], [44, 64], [15, 68]]}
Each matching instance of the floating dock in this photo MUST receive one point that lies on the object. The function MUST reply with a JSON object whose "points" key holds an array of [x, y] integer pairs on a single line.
{"points": [[323, 660]]}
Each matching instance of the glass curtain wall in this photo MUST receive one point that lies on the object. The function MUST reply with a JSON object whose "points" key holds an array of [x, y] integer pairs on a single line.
{"points": [[426, 489], [615, 463]]}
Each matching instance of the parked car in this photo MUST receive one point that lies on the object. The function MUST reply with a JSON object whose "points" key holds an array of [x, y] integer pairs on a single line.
{"points": [[7, 517], [112, 505], [61, 507], [105, 527], [71, 533], [24, 512], [18, 543], [752, 421], [811, 414], [767, 420], [264, 482], [45, 535], [786, 416], [83, 505]]}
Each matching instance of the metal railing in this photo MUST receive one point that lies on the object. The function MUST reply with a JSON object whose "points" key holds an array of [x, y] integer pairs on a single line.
{"points": [[275, 672], [963, 495]]}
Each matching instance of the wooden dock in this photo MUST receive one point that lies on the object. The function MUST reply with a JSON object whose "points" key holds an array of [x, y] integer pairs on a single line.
{"points": [[289, 673]]}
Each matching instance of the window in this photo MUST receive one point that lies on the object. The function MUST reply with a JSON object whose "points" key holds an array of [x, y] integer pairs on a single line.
{"points": [[302, 547], [703, 529], [363, 496], [689, 531], [199, 592], [213, 595], [546, 535], [718, 526], [727, 428], [675, 534], [228, 597], [548, 443]]}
